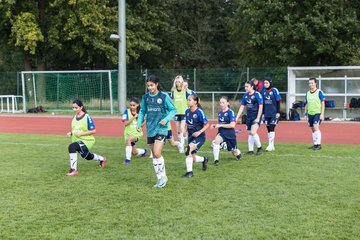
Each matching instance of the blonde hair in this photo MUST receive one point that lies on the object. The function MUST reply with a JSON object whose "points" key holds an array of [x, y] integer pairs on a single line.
{"points": [[180, 79]]}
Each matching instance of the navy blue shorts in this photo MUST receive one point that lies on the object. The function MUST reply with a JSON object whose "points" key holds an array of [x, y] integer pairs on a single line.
{"points": [[198, 141], [169, 135], [230, 142], [157, 137], [271, 121], [179, 118], [84, 151], [250, 121], [314, 119]]}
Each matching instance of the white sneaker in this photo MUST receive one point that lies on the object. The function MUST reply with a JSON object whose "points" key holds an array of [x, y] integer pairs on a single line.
{"points": [[269, 149], [162, 182]]}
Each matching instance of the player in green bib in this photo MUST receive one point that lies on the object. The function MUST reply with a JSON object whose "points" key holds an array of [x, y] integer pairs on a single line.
{"points": [[314, 111], [159, 110], [131, 134], [179, 95], [82, 131]]}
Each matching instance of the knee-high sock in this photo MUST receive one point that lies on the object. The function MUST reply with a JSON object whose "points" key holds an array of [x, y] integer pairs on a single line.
{"points": [[317, 140], [216, 151], [140, 151], [73, 160], [98, 157], [199, 158], [189, 164], [159, 167], [257, 140], [181, 138], [128, 150], [251, 143], [271, 136], [313, 138]]}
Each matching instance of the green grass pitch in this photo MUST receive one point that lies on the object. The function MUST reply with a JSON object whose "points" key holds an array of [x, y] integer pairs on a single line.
{"points": [[292, 193]]}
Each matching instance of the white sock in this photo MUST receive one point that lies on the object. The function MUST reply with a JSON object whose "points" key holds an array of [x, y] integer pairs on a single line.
{"points": [[251, 143], [98, 157], [181, 138], [216, 151], [151, 155], [140, 151], [257, 140], [237, 152], [189, 164], [271, 136], [199, 158], [317, 140], [128, 150], [73, 160], [314, 138], [159, 167]]}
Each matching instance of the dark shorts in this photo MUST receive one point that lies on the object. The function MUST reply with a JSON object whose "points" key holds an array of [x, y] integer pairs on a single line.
{"points": [[84, 151], [169, 135], [271, 121], [230, 142], [179, 118], [158, 137], [250, 121], [314, 119], [198, 141]]}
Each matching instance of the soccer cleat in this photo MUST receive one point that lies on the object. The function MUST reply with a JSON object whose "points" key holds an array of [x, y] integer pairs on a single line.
{"points": [[144, 154], [102, 163], [157, 183], [250, 153], [204, 163], [259, 151], [162, 182], [216, 163], [126, 161], [72, 172], [317, 147], [188, 175], [269, 149], [238, 157]]}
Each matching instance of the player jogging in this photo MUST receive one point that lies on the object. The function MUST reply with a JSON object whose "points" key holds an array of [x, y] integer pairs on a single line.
{"points": [[131, 134], [254, 107], [82, 131], [226, 131], [159, 110], [196, 125]]}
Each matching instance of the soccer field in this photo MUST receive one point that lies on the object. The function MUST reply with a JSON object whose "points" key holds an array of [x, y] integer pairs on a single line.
{"points": [[292, 193]]}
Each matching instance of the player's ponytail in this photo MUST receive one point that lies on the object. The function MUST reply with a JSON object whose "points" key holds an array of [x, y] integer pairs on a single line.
{"points": [[80, 104], [196, 98]]}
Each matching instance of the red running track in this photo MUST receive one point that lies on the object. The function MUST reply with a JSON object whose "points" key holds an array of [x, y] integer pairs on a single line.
{"points": [[332, 132]]}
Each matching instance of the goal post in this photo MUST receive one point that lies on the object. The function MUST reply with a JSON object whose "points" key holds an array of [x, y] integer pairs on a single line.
{"points": [[55, 90]]}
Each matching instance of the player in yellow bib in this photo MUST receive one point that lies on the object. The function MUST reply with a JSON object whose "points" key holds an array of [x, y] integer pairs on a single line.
{"points": [[179, 95], [314, 111], [82, 131], [131, 134]]}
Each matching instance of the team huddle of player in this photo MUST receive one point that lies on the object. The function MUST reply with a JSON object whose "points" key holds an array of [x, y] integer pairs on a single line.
{"points": [[156, 109]]}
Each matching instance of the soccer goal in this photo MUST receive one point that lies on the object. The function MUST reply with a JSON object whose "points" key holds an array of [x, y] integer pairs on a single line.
{"points": [[55, 90], [340, 84]]}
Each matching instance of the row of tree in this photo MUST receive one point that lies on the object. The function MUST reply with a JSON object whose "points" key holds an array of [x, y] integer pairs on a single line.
{"points": [[74, 34]]}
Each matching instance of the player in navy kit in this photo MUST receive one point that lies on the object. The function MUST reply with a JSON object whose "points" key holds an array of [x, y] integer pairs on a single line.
{"points": [[196, 125], [226, 131], [271, 98], [254, 108]]}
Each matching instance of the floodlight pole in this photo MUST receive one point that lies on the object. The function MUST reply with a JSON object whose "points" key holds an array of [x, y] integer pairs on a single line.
{"points": [[122, 57]]}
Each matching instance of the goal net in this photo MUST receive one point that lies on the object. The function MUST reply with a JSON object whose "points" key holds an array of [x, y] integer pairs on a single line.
{"points": [[55, 90]]}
